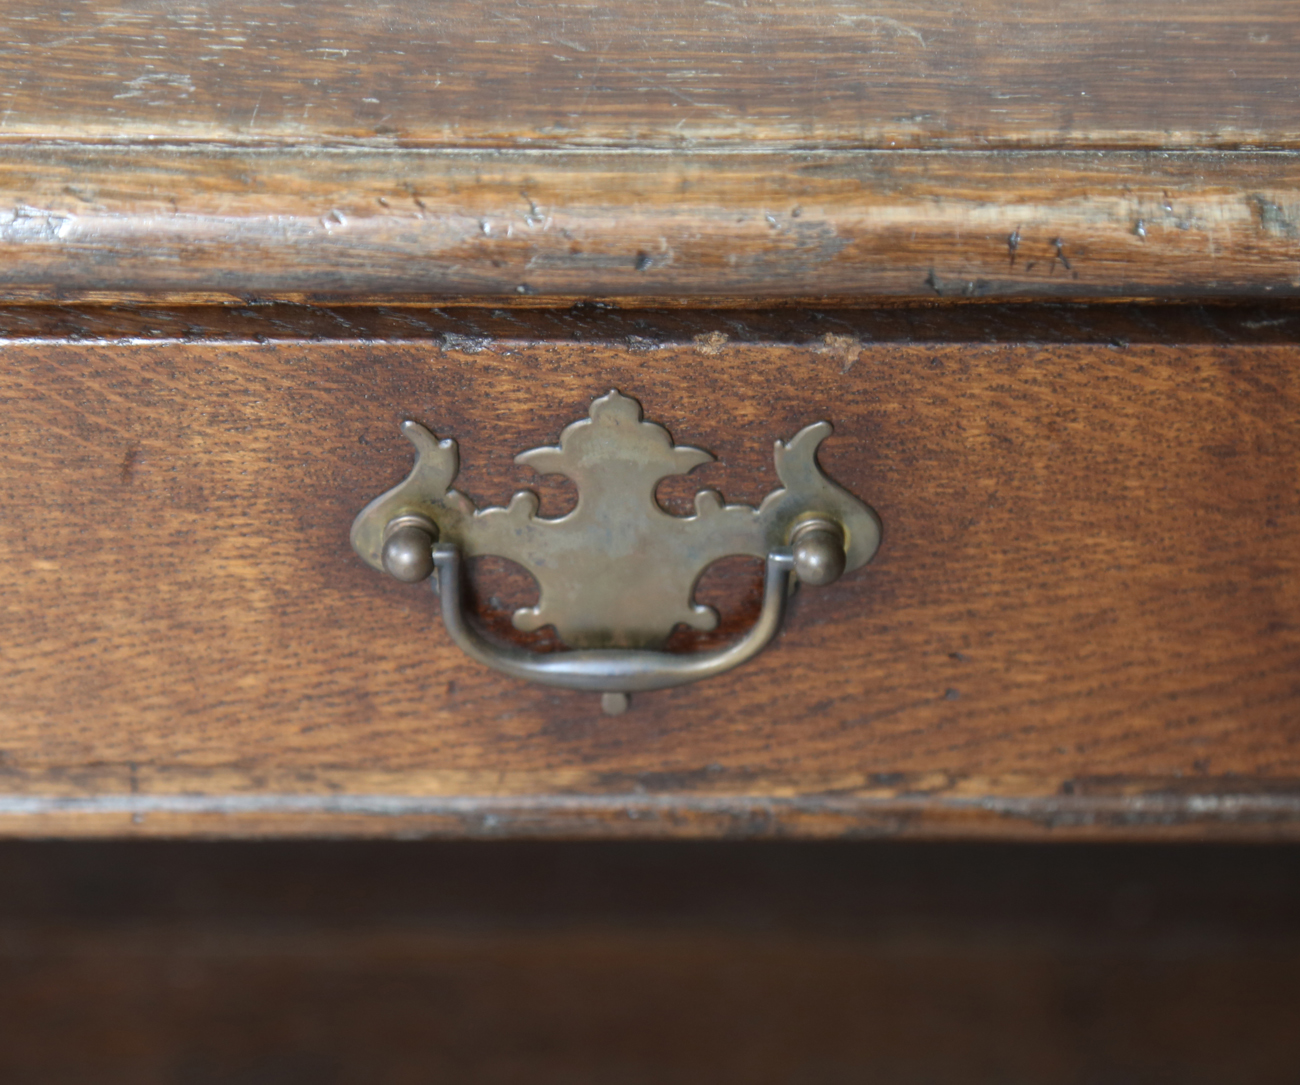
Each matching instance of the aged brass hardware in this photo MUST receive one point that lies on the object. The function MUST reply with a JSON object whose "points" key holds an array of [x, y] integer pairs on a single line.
{"points": [[617, 573], [818, 551], [408, 548]]}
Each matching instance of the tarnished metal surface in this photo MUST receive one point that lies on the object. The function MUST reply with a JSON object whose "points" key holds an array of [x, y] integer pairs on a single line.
{"points": [[613, 670], [618, 571]]}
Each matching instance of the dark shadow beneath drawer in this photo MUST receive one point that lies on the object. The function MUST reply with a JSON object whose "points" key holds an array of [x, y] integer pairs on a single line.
{"points": [[571, 963]]}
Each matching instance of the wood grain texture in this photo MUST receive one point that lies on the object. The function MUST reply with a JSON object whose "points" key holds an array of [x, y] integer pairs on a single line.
{"points": [[340, 964], [1082, 620], [1060, 73], [112, 223]]}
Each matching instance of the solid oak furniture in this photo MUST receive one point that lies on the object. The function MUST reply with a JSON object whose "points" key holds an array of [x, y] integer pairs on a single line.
{"points": [[1036, 268]]}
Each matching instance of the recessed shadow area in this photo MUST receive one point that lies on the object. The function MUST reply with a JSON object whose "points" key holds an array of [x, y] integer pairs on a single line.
{"points": [[647, 962], [831, 329]]}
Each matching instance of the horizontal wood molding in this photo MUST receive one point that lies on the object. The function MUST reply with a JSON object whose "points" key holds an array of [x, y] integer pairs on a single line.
{"points": [[214, 224], [1150, 810], [669, 73]]}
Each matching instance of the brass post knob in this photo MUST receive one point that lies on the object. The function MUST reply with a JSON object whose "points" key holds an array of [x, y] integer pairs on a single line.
{"points": [[819, 556], [408, 548]]}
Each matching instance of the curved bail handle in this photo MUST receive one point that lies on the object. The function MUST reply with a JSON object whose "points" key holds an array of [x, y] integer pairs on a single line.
{"points": [[612, 670]]}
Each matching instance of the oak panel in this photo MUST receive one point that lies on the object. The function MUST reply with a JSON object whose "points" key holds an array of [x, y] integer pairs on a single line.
{"points": [[1081, 619]]}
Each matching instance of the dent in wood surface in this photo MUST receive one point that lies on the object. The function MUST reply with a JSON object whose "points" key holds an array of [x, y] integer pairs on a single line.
{"points": [[1081, 619], [1061, 73]]}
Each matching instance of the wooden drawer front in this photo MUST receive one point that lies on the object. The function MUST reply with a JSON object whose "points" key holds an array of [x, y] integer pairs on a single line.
{"points": [[1082, 618]]}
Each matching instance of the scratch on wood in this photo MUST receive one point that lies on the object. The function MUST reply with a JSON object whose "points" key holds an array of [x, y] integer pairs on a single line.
{"points": [[130, 461], [846, 348], [895, 28], [1274, 218], [710, 342]]}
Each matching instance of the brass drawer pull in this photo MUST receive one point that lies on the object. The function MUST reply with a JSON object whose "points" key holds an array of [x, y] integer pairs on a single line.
{"points": [[613, 672], [617, 573]]}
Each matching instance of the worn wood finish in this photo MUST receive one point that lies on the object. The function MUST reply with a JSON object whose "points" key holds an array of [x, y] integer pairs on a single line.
{"points": [[108, 223], [316, 963], [1059, 73], [1081, 621], [647, 151]]}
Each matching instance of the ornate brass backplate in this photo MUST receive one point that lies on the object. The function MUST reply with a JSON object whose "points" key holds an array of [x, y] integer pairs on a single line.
{"points": [[617, 573]]}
